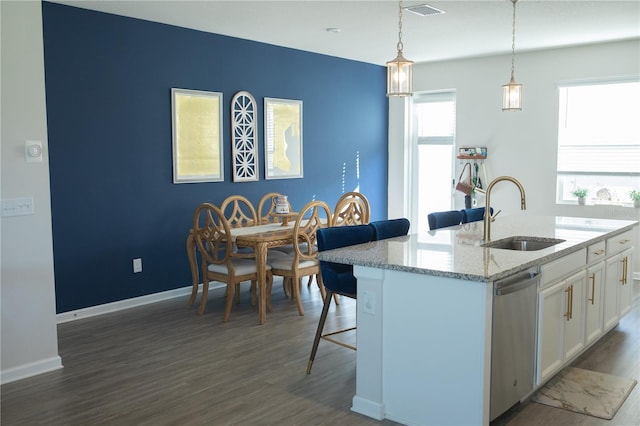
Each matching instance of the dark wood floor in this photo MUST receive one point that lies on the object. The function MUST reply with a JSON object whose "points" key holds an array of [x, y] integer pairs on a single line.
{"points": [[162, 364]]}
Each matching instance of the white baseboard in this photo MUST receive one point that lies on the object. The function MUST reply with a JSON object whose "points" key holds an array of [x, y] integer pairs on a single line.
{"points": [[92, 311], [367, 407], [31, 369]]}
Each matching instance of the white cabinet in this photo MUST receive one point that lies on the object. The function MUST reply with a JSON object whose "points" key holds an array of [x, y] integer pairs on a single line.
{"points": [[560, 324], [574, 315], [550, 327], [618, 280], [625, 282], [596, 252], [610, 290], [582, 296], [594, 302]]}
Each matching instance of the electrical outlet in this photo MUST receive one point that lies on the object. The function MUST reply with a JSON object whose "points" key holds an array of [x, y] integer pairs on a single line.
{"points": [[137, 265], [369, 302]]}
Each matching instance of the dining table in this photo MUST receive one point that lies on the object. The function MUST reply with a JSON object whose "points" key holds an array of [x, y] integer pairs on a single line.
{"points": [[258, 237]]}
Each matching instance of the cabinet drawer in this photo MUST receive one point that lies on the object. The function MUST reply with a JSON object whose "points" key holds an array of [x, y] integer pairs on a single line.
{"points": [[562, 267], [619, 242], [596, 252]]}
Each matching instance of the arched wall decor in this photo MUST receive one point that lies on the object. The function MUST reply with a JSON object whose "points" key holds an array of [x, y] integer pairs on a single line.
{"points": [[244, 136]]}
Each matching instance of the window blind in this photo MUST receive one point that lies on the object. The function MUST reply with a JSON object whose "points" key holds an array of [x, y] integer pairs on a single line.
{"points": [[599, 130], [599, 140], [436, 117], [614, 159]]}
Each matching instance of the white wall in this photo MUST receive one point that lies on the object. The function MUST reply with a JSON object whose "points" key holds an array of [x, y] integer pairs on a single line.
{"points": [[520, 144], [29, 336]]}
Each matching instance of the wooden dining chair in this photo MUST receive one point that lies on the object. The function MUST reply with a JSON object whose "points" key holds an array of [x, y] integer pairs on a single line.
{"points": [[267, 206], [219, 261], [313, 216], [239, 211], [352, 208]]}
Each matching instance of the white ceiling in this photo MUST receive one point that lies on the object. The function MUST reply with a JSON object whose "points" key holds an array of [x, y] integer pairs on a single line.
{"points": [[369, 29]]}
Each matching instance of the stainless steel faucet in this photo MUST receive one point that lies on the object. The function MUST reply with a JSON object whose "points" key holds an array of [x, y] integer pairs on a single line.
{"points": [[487, 209]]}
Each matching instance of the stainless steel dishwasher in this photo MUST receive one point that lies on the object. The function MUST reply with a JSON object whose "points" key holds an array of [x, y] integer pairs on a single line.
{"points": [[513, 339]]}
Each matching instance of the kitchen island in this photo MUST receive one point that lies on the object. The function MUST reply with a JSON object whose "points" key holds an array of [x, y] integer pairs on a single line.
{"points": [[425, 306]]}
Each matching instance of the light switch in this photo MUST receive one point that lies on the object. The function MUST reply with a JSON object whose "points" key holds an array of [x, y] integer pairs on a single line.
{"points": [[17, 206]]}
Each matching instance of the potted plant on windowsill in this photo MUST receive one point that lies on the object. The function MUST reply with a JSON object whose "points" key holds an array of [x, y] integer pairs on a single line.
{"points": [[581, 193], [635, 196]]}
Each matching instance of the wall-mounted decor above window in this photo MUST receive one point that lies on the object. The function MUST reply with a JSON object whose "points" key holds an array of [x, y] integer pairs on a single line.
{"points": [[244, 137], [282, 138], [197, 136]]}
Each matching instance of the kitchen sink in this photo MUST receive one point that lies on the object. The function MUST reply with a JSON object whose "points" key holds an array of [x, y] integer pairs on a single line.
{"points": [[523, 243]]}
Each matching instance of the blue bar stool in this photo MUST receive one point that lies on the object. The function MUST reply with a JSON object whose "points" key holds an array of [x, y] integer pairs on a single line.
{"points": [[390, 228], [443, 219], [338, 278], [473, 215]]}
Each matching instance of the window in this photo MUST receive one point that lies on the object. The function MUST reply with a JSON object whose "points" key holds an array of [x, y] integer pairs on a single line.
{"points": [[599, 142], [434, 138]]}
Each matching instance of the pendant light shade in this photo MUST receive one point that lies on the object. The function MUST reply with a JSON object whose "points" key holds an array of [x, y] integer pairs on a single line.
{"points": [[512, 96], [512, 92], [400, 76], [400, 69]]}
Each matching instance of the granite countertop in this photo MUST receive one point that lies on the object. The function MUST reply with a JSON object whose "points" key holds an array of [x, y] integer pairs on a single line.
{"points": [[456, 251]]}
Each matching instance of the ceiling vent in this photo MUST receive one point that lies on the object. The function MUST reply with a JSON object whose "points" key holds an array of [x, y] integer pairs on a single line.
{"points": [[424, 10]]}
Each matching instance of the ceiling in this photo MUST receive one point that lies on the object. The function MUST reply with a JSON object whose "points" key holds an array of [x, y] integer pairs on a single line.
{"points": [[368, 30]]}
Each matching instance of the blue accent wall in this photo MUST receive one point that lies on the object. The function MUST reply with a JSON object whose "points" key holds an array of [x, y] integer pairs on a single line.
{"points": [[108, 84]]}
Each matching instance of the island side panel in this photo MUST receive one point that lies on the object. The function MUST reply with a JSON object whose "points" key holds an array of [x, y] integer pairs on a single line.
{"points": [[436, 347], [368, 398]]}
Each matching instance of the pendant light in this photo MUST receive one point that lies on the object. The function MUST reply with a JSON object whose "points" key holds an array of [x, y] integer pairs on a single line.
{"points": [[512, 92], [400, 69]]}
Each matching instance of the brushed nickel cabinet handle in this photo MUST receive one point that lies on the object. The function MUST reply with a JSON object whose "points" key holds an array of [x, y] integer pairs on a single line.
{"points": [[593, 288]]}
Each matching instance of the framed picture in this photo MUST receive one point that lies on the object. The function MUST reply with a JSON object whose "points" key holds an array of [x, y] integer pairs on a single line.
{"points": [[282, 138], [197, 136]]}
